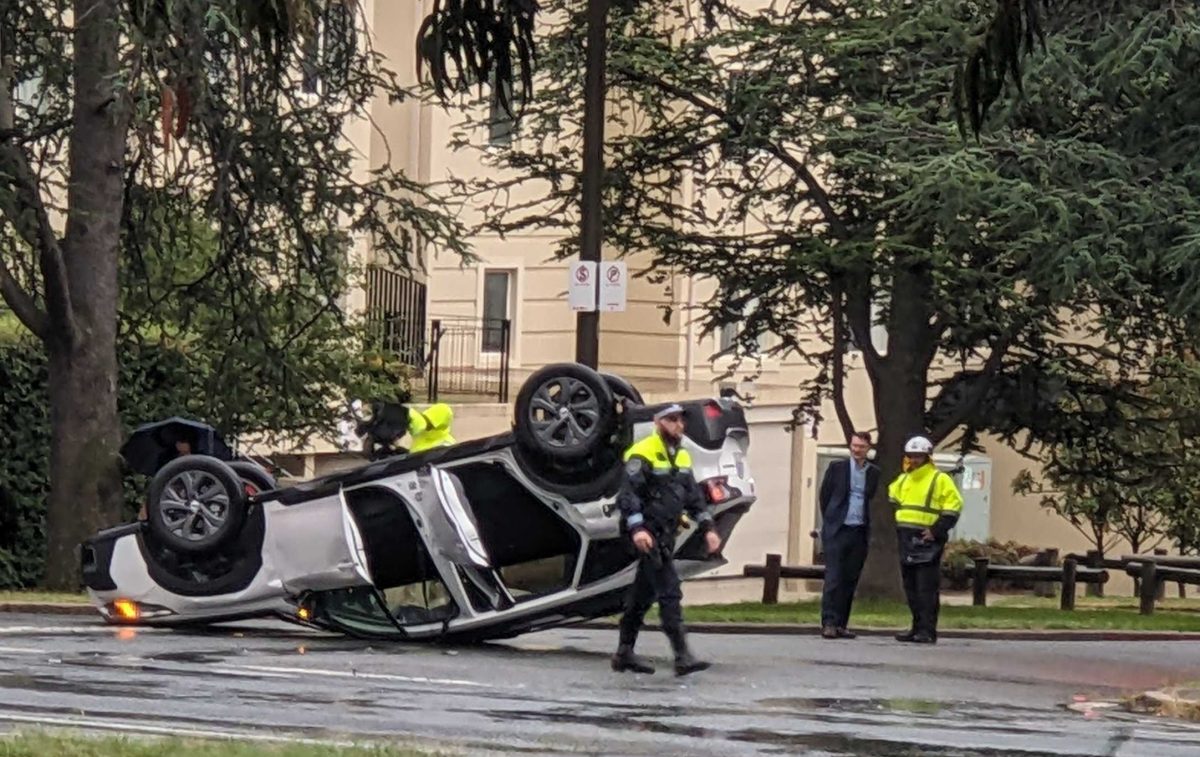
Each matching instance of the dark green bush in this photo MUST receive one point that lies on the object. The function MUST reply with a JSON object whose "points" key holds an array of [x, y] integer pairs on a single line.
{"points": [[155, 383]]}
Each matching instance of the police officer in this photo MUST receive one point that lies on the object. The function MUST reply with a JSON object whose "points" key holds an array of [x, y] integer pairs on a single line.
{"points": [[430, 428], [927, 506], [659, 488]]}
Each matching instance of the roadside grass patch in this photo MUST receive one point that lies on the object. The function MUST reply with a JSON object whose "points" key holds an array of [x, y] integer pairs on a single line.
{"points": [[57, 597], [57, 744], [1115, 616]]}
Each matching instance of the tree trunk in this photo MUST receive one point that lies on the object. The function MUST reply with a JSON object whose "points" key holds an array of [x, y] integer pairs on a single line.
{"points": [[899, 413], [85, 484]]}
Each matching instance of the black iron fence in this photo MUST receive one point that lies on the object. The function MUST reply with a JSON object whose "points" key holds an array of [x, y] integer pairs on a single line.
{"points": [[469, 359], [459, 359], [396, 314]]}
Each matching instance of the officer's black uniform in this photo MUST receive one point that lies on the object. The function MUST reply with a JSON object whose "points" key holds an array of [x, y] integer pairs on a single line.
{"points": [[659, 488]]}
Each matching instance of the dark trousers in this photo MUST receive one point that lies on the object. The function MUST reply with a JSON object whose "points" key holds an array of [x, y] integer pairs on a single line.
{"points": [[845, 553], [922, 586], [656, 580]]}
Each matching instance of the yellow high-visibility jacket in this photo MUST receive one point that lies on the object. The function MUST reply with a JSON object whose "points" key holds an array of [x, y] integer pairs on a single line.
{"points": [[925, 495], [431, 428]]}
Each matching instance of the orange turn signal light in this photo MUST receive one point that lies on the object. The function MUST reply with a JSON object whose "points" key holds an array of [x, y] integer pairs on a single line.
{"points": [[126, 609], [303, 613]]}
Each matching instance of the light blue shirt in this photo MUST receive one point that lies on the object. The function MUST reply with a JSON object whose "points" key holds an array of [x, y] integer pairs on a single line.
{"points": [[856, 509]]}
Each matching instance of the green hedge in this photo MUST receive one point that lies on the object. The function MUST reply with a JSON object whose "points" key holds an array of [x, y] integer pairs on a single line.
{"points": [[155, 382]]}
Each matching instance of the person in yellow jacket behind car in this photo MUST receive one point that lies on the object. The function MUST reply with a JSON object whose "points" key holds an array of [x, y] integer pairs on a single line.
{"points": [[430, 428], [927, 506]]}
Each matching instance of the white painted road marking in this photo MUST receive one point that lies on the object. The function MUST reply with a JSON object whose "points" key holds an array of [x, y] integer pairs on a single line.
{"points": [[300, 672], [76, 630]]}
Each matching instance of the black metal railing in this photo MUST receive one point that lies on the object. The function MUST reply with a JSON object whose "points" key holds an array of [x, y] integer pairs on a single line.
{"points": [[396, 314], [468, 359]]}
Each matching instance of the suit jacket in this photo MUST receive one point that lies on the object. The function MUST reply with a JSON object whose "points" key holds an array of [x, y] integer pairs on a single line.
{"points": [[834, 498]]}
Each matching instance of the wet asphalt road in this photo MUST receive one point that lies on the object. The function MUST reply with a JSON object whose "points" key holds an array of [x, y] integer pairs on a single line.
{"points": [[552, 692]]}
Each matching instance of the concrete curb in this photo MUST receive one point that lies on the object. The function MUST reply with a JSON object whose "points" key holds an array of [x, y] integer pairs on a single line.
{"points": [[49, 608], [752, 629], [789, 629]]}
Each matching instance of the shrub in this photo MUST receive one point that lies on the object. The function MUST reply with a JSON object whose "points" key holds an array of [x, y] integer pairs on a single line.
{"points": [[959, 561]]}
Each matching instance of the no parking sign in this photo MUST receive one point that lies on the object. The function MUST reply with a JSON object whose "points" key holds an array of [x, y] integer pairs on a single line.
{"points": [[614, 285]]}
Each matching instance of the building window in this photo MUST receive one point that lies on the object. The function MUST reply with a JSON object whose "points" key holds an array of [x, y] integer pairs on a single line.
{"points": [[727, 338], [500, 124], [325, 54], [497, 288]]}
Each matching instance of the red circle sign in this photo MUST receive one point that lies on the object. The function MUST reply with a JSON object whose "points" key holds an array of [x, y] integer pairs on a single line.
{"points": [[614, 274], [581, 274]]}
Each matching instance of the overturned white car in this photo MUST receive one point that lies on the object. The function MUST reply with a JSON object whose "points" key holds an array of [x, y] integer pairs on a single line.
{"points": [[485, 539]]}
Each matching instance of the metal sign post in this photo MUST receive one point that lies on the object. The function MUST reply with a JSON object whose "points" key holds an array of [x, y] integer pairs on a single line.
{"points": [[587, 328]]}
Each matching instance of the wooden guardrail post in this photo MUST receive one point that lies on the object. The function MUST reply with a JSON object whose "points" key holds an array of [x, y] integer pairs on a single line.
{"points": [[771, 580], [1067, 599], [1094, 561], [1147, 588], [1047, 558], [979, 582], [1161, 589]]}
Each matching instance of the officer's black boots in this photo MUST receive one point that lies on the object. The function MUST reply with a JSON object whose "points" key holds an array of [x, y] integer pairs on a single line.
{"points": [[685, 661], [625, 660]]}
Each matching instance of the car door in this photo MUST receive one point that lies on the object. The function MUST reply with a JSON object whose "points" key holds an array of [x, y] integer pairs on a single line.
{"points": [[443, 504], [314, 545], [445, 507]]}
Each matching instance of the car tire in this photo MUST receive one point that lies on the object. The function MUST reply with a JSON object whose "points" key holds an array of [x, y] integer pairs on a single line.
{"points": [[565, 413], [586, 482], [221, 499], [256, 478], [622, 389]]}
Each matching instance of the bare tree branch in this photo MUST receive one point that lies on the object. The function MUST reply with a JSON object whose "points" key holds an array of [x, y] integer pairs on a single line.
{"points": [[858, 315], [22, 304], [25, 210], [839, 368]]}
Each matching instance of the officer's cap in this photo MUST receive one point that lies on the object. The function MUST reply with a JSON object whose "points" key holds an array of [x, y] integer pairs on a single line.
{"points": [[672, 409]]}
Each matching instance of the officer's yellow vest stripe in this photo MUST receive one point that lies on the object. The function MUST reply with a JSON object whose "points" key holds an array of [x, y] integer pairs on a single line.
{"points": [[925, 515]]}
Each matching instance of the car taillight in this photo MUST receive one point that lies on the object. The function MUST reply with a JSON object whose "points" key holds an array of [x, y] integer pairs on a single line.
{"points": [[717, 489], [712, 411]]}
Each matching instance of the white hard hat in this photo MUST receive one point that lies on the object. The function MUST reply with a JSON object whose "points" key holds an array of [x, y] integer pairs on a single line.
{"points": [[918, 445]]}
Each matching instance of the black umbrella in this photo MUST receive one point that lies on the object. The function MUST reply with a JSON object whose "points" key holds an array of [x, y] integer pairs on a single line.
{"points": [[152, 445]]}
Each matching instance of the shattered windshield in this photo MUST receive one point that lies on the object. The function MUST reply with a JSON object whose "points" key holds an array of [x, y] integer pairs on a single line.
{"points": [[360, 609]]}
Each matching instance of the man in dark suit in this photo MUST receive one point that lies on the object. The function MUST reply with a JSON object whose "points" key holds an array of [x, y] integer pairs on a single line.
{"points": [[845, 502]]}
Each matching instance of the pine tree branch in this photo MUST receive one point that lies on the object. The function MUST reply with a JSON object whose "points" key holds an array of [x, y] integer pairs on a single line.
{"points": [[819, 195], [859, 305], [976, 394]]}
